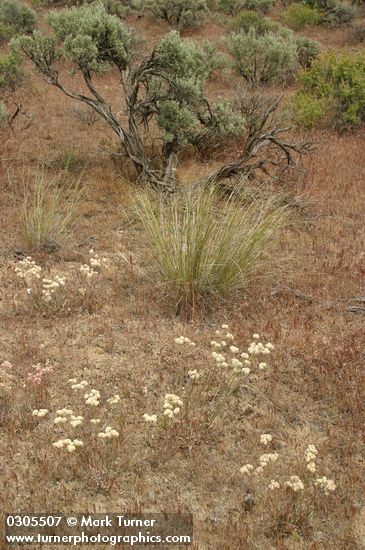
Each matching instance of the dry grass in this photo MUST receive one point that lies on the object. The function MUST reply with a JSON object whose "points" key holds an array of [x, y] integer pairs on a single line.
{"points": [[124, 344]]}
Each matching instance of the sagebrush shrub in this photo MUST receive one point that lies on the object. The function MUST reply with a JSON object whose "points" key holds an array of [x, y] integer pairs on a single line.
{"points": [[308, 50], [332, 12], [204, 244], [180, 14], [16, 16], [10, 71], [297, 16], [233, 7], [336, 83], [250, 19], [263, 59], [357, 33]]}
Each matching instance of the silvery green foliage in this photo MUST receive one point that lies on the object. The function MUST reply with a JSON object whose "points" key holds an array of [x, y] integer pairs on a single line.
{"points": [[17, 16], [167, 87], [180, 14], [263, 59]]}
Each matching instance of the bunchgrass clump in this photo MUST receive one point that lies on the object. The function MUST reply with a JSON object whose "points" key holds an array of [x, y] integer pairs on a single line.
{"points": [[50, 209], [205, 244]]}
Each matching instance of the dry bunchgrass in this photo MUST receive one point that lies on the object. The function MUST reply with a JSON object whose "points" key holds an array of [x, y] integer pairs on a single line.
{"points": [[312, 394]]}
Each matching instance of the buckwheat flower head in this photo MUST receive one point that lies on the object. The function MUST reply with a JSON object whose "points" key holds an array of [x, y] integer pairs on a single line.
{"points": [[244, 355], [258, 470], [58, 444], [108, 433], [94, 420], [114, 400], [236, 363], [225, 327], [215, 344], [327, 485], [295, 483], [265, 438], [270, 346], [246, 371], [246, 469], [229, 336], [262, 366], [274, 485], [72, 381], [76, 421], [60, 420], [217, 332], [310, 453], [268, 457], [194, 374], [233, 349], [150, 418], [40, 412], [256, 336], [64, 412], [311, 466]]}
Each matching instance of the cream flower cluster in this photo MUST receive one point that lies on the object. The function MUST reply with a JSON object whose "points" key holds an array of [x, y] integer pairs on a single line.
{"points": [[274, 485], [266, 458], [194, 374], [220, 359], [40, 412], [114, 400], [327, 485], [246, 469], [64, 415], [51, 286], [95, 421], [172, 405], [68, 443], [6, 379], [295, 484], [265, 438], [257, 348], [75, 385], [108, 433], [150, 418], [88, 272], [310, 457], [96, 261], [92, 397], [184, 340], [28, 270]]}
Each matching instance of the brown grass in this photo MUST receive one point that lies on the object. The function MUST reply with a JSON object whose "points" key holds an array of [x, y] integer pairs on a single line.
{"points": [[313, 392]]}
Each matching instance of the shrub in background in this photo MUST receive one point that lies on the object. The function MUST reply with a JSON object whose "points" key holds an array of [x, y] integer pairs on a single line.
{"points": [[180, 14], [233, 7], [308, 50], [297, 16], [205, 244], [332, 12], [335, 87], [263, 59], [250, 19], [10, 71], [357, 33], [16, 17]]}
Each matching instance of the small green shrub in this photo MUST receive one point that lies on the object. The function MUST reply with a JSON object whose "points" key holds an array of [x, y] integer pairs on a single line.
{"points": [[234, 7], [120, 8], [17, 17], [308, 50], [357, 34], [252, 20], [297, 16], [263, 59], [309, 110], [204, 244], [10, 71], [180, 14], [333, 12], [337, 84]]}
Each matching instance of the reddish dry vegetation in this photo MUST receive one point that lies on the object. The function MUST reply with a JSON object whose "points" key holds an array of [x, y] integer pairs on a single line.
{"points": [[123, 343]]}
